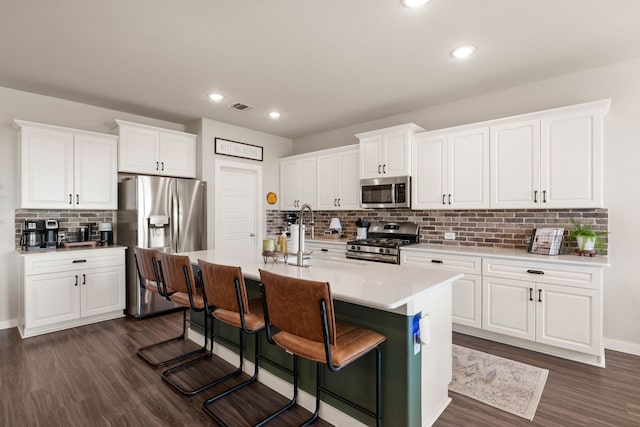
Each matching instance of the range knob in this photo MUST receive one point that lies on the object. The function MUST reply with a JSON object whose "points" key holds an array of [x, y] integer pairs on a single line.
{"points": [[358, 247], [353, 247], [381, 250], [387, 250]]}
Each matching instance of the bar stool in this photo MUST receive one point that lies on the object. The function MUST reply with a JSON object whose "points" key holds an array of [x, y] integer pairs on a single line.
{"points": [[149, 275], [226, 300], [303, 312], [176, 273]]}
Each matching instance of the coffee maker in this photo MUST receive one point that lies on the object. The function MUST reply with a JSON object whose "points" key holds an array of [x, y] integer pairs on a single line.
{"points": [[106, 233], [32, 235], [51, 234]]}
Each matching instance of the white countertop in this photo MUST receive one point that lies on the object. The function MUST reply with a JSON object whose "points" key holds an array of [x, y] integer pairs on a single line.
{"points": [[517, 254], [383, 286], [67, 250]]}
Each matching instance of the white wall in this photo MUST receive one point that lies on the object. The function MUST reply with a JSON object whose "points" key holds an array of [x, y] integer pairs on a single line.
{"points": [[620, 83], [274, 147], [37, 108]]}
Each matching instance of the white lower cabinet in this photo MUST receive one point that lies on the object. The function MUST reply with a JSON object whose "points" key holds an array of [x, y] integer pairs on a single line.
{"points": [[548, 306], [60, 290], [466, 292], [558, 305]]}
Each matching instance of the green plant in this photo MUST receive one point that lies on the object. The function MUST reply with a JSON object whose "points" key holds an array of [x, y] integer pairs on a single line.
{"points": [[586, 232]]}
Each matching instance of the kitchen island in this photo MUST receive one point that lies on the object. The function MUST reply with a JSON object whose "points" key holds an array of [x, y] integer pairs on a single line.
{"points": [[411, 306]]}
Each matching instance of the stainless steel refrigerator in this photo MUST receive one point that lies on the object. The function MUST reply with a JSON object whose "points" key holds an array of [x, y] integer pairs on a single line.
{"points": [[168, 214]]}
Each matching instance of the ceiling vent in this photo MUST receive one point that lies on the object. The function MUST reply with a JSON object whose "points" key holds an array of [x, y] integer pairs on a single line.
{"points": [[240, 106]]}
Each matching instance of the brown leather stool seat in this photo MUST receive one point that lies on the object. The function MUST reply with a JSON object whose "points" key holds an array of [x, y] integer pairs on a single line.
{"points": [[149, 275], [303, 312], [176, 272]]}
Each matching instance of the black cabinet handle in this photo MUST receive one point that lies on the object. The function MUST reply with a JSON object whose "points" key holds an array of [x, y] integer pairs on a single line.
{"points": [[162, 163], [530, 294], [379, 166], [334, 202], [84, 279], [77, 199], [76, 261], [449, 198], [535, 196], [443, 198], [157, 166], [76, 284], [338, 202], [535, 271], [544, 196], [70, 199], [437, 261], [324, 250], [539, 295], [384, 168]]}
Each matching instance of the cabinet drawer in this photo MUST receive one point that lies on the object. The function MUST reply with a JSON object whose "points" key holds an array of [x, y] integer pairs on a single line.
{"points": [[582, 277], [325, 247], [456, 263], [54, 262]]}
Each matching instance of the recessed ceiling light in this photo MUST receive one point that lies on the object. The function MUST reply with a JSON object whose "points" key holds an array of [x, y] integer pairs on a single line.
{"points": [[216, 97], [274, 114], [463, 51], [414, 3]]}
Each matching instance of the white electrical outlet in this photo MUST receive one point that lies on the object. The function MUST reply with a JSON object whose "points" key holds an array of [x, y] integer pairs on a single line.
{"points": [[449, 236]]}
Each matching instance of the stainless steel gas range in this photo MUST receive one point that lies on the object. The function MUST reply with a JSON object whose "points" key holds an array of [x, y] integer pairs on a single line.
{"points": [[383, 242]]}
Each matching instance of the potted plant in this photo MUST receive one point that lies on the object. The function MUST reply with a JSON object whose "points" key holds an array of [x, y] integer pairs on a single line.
{"points": [[586, 238]]}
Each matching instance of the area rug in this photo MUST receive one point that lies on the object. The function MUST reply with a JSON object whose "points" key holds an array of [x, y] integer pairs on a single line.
{"points": [[505, 384]]}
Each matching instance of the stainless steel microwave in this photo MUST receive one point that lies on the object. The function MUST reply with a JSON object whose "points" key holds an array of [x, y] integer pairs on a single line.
{"points": [[386, 192]]}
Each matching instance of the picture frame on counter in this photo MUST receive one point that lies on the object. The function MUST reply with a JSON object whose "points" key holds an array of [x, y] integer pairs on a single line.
{"points": [[227, 147]]}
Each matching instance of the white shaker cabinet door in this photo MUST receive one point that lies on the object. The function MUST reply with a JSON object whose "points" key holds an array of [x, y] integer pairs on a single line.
{"points": [[467, 301], [46, 168], [468, 169], [429, 180], [395, 153], [96, 178], [571, 159], [327, 182], [307, 174], [508, 307], [289, 184], [371, 157], [348, 180], [139, 150], [515, 165], [569, 317], [51, 298], [177, 155], [102, 290]]}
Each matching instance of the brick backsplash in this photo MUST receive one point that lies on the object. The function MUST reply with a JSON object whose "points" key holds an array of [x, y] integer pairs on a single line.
{"points": [[69, 221], [504, 228]]}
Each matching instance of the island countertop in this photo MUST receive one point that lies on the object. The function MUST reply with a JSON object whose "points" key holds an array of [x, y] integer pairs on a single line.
{"points": [[382, 286]]}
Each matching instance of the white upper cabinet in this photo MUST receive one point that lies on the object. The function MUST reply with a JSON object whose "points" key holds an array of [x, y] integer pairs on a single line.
{"points": [[386, 152], [156, 151], [451, 169], [550, 159], [64, 168], [337, 179], [297, 182]]}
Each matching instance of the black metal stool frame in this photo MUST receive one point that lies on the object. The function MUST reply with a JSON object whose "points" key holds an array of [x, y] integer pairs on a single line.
{"points": [[162, 290]]}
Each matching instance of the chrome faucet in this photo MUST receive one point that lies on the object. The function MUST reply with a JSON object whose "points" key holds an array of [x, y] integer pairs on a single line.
{"points": [[300, 254]]}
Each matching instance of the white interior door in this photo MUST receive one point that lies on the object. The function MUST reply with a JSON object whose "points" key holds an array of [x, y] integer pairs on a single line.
{"points": [[238, 205]]}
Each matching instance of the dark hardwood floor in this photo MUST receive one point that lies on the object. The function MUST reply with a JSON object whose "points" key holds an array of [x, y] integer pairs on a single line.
{"points": [[91, 376]]}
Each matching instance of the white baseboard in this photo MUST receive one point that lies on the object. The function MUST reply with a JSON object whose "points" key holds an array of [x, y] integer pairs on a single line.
{"points": [[306, 400], [622, 346], [8, 324]]}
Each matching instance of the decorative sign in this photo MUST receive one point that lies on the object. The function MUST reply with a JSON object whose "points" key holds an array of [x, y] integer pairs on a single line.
{"points": [[238, 149]]}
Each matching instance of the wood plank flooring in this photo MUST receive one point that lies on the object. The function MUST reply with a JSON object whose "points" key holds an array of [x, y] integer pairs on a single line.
{"points": [[91, 376]]}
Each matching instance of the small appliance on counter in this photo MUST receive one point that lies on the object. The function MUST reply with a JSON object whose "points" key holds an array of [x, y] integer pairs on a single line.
{"points": [[106, 233], [362, 226], [51, 233], [85, 232], [33, 236]]}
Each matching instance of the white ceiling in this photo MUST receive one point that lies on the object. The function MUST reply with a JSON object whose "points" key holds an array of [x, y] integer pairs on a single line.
{"points": [[323, 64]]}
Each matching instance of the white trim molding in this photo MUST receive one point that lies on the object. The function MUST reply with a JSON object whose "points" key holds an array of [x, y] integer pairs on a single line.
{"points": [[622, 346], [8, 324]]}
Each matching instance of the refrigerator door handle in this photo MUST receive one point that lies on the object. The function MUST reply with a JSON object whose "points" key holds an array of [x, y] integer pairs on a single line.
{"points": [[175, 217]]}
